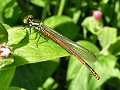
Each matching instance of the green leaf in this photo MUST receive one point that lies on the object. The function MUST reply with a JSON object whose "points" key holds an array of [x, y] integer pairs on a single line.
{"points": [[2, 5], [106, 37], [80, 81], [73, 68], [39, 2], [79, 78], [63, 25], [16, 34], [11, 12], [35, 74], [6, 77], [92, 25], [3, 34], [106, 69], [43, 51]]}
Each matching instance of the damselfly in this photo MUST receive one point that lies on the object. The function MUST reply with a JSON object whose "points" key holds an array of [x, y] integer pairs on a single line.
{"points": [[77, 50]]}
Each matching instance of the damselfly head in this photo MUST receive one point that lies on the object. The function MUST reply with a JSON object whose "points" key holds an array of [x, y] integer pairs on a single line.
{"points": [[27, 19]]}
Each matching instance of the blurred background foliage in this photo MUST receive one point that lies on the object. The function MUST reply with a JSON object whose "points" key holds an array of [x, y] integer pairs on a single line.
{"points": [[50, 67]]}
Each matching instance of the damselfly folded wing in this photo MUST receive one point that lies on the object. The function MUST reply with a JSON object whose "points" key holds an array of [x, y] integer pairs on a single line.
{"points": [[83, 52]]}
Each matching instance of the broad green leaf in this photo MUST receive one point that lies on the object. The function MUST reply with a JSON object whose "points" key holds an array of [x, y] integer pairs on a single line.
{"points": [[6, 77], [33, 76], [63, 25], [74, 67], [80, 81], [27, 50], [106, 37], [92, 25], [44, 52], [16, 34], [79, 78], [3, 34]]}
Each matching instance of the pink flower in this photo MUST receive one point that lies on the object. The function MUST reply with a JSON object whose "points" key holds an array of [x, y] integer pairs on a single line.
{"points": [[4, 51], [97, 14]]}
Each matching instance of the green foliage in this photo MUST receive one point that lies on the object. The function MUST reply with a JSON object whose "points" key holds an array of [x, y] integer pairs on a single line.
{"points": [[3, 34], [6, 78], [34, 63]]}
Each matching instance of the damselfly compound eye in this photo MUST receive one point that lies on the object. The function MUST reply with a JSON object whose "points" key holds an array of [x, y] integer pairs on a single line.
{"points": [[4, 51], [27, 19]]}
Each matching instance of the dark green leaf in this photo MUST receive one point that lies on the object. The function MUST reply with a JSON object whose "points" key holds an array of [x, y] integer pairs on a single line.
{"points": [[6, 77], [3, 4], [3, 34], [11, 12], [34, 75], [114, 48]]}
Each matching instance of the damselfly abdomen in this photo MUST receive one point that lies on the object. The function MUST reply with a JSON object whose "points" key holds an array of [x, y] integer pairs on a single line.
{"points": [[77, 50]]}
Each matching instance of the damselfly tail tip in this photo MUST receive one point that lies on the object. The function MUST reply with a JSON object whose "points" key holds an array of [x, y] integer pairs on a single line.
{"points": [[97, 77], [95, 74]]}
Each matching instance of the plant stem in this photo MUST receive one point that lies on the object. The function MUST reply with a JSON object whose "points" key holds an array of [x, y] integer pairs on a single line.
{"points": [[61, 7]]}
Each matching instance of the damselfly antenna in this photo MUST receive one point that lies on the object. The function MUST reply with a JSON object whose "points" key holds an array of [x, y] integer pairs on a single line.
{"points": [[82, 54]]}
